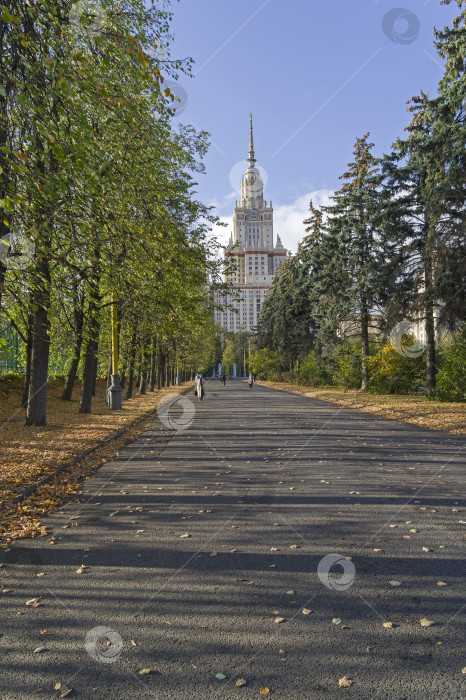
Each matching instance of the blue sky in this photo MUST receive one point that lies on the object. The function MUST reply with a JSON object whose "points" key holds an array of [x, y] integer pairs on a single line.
{"points": [[316, 74]]}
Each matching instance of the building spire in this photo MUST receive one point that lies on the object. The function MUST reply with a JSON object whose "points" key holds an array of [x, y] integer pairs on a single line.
{"points": [[252, 155]]}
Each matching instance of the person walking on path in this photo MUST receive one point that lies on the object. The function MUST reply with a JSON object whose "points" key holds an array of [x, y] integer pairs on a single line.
{"points": [[224, 379], [200, 386], [251, 380]]}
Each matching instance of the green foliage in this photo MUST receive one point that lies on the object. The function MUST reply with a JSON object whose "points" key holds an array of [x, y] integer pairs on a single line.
{"points": [[314, 370], [348, 370], [394, 373], [451, 379], [228, 358], [263, 364], [390, 247], [95, 175]]}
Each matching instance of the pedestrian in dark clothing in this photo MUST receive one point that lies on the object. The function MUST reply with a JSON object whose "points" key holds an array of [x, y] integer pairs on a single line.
{"points": [[224, 379], [251, 380]]}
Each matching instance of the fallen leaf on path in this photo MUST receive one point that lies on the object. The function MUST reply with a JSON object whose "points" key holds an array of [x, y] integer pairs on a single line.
{"points": [[294, 546], [442, 583], [279, 619], [42, 573], [144, 671], [306, 611], [264, 691], [336, 620], [34, 603], [39, 649], [282, 651], [387, 625], [81, 569], [345, 682], [395, 583], [463, 670], [240, 682], [44, 633], [426, 623], [290, 592], [184, 536], [64, 690], [220, 676]]}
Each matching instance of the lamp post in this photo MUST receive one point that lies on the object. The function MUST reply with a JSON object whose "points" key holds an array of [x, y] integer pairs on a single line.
{"points": [[115, 391]]}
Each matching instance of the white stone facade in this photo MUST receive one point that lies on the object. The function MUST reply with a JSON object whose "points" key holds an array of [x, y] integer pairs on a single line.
{"points": [[252, 245]]}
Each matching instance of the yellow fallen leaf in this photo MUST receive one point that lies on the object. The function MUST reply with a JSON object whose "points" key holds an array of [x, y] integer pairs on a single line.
{"points": [[426, 623], [279, 619], [33, 603], [306, 611], [442, 583], [144, 671], [387, 625], [264, 691], [345, 682], [240, 682], [39, 649]]}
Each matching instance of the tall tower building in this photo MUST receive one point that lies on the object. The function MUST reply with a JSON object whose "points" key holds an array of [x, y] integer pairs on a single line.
{"points": [[252, 244]]}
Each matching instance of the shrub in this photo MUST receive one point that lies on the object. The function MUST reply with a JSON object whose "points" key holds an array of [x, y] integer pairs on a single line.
{"points": [[263, 364], [347, 360], [393, 373], [314, 371], [451, 379]]}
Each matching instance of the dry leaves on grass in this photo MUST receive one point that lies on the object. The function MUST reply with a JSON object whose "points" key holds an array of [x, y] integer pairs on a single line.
{"points": [[28, 454]]}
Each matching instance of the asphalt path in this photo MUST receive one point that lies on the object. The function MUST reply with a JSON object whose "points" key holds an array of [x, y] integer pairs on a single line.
{"points": [[204, 544]]}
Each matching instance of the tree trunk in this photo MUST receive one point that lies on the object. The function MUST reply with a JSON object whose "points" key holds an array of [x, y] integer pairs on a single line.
{"points": [[89, 364], [110, 372], [429, 303], [90, 353], [37, 394], [364, 342], [131, 361], [430, 332], [27, 377], [73, 369], [153, 365], [96, 366], [159, 369]]}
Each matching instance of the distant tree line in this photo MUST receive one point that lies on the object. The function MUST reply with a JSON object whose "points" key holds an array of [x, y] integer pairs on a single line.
{"points": [[390, 246]]}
